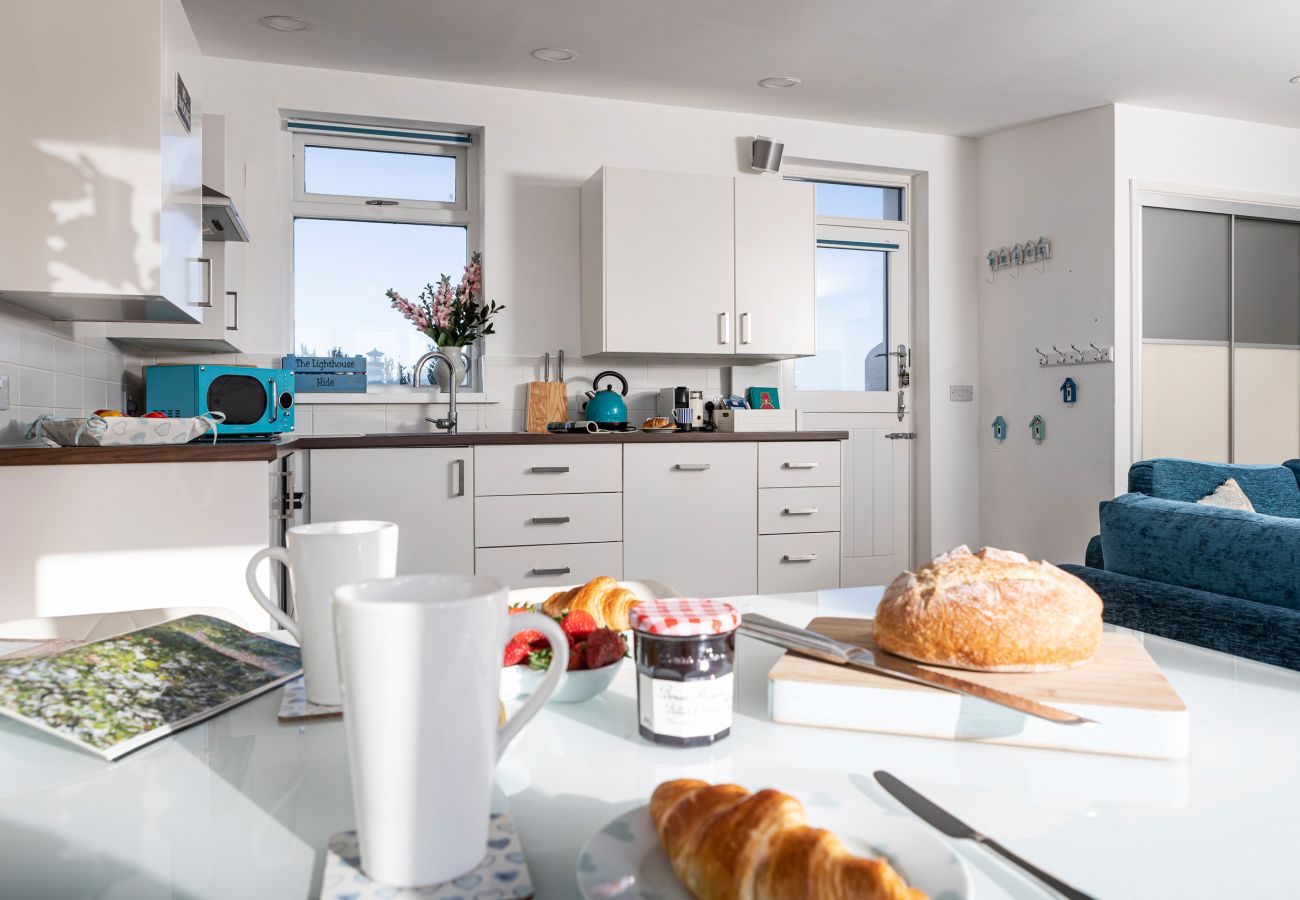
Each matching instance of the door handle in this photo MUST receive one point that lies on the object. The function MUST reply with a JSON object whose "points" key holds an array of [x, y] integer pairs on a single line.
{"points": [[548, 470], [549, 520], [232, 310], [565, 570], [809, 511], [205, 286], [275, 399], [798, 465], [724, 328], [460, 478], [745, 333], [799, 557], [692, 467]]}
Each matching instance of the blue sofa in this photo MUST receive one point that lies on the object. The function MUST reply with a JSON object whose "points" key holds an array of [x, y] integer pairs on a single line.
{"points": [[1219, 578]]}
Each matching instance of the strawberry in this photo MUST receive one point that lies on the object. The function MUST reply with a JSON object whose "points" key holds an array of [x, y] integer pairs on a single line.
{"points": [[577, 625], [516, 651], [577, 657], [604, 647], [531, 636]]}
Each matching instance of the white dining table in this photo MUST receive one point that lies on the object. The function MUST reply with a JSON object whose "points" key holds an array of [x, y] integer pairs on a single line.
{"points": [[241, 806]]}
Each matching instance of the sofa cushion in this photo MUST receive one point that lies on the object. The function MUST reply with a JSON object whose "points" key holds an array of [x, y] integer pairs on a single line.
{"points": [[1273, 490], [1259, 631], [1224, 551], [1294, 466], [1228, 496]]}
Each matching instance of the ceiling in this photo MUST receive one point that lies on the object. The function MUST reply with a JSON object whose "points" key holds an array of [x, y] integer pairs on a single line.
{"points": [[948, 66]]}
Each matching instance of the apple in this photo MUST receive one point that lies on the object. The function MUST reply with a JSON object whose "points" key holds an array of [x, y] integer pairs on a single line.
{"points": [[155, 414], [108, 413]]}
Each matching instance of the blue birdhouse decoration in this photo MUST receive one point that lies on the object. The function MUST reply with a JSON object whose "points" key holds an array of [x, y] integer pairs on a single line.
{"points": [[1037, 429], [999, 429], [1069, 390]]}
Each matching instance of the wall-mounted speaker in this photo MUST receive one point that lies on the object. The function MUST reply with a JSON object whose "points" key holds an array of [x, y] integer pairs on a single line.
{"points": [[766, 155]]}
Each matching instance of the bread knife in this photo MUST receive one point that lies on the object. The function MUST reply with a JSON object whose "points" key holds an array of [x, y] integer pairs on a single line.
{"points": [[938, 817], [810, 643]]}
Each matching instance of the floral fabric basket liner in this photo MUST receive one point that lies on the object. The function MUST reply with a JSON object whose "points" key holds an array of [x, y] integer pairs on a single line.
{"points": [[120, 431]]}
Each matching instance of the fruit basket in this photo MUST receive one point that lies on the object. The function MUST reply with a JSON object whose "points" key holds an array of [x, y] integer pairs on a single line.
{"points": [[121, 431]]}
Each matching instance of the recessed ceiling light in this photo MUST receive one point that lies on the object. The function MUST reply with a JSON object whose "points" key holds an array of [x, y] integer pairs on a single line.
{"points": [[554, 54], [1295, 79], [284, 23], [779, 81]]}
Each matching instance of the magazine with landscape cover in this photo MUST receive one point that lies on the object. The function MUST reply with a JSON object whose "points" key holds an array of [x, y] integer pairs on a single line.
{"points": [[116, 695]]}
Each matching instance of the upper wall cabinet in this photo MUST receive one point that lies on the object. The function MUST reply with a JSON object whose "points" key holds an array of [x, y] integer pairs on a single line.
{"points": [[102, 149], [696, 265]]}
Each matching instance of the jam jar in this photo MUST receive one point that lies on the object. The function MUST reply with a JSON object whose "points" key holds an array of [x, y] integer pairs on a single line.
{"points": [[685, 651]]}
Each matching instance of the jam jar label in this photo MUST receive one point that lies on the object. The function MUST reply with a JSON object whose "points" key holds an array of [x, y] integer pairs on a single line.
{"points": [[685, 709]]}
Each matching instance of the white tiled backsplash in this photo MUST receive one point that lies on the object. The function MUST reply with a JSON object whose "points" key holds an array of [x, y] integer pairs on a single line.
{"points": [[57, 367]]}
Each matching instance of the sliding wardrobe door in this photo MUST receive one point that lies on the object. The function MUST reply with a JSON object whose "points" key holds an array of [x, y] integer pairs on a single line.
{"points": [[1266, 341], [1186, 333]]}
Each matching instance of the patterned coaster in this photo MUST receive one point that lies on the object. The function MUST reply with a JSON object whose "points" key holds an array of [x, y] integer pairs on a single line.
{"points": [[502, 874], [295, 707]]}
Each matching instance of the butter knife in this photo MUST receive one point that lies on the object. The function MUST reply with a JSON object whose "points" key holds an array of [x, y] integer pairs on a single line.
{"points": [[810, 643], [953, 827]]}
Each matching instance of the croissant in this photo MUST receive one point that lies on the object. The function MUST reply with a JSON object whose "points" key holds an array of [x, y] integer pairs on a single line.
{"points": [[725, 843], [602, 597]]}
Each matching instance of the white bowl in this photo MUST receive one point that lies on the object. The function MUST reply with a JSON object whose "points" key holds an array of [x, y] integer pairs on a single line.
{"points": [[576, 686]]}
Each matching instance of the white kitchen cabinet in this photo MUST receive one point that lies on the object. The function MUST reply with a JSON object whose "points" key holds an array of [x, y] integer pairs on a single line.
{"points": [[697, 265], [776, 242], [657, 267], [425, 490], [793, 563], [221, 270], [550, 565], [690, 516], [101, 178]]}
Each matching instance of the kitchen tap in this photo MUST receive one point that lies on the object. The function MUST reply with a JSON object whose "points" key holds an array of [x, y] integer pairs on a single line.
{"points": [[448, 424]]}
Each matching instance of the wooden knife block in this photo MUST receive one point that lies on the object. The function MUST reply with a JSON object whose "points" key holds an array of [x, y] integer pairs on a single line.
{"points": [[547, 402]]}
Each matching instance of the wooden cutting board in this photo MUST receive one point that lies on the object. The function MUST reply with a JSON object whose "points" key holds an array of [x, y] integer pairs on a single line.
{"points": [[547, 403], [1138, 713]]}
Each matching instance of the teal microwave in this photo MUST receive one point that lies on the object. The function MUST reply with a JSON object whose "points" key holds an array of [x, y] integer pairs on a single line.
{"points": [[254, 401]]}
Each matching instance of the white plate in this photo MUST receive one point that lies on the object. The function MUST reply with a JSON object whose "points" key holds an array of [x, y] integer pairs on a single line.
{"points": [[625, 859], [644, 590]]}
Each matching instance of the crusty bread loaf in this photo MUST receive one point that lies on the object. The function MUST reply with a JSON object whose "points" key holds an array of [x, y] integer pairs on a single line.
{"points": [[991, 611], [725, 843], [607, 602]]}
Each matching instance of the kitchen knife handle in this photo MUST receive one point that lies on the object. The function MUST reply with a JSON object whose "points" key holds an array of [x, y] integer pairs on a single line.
{"points": [[559, 372], [1051, 881], [546, 370], [801, 640]]}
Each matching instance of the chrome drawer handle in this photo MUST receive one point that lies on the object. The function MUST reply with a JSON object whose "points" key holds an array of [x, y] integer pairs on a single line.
{"points": [[562, 571], [548, 470], [549, 520], [810, 511], [799, 465], [804, 557], [692, 467]]}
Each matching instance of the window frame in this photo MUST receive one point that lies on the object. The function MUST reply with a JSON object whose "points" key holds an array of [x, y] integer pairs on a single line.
{"points": [[465, 212]]}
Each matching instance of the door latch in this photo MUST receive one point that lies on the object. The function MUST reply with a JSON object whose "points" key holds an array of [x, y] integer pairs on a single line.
{"points": [[904, 364], [902, 407], [901, 436]]}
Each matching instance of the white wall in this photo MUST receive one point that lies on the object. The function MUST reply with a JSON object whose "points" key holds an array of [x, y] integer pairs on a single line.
{"points": [[1226, 156], [1050, 178], [540, 148]]}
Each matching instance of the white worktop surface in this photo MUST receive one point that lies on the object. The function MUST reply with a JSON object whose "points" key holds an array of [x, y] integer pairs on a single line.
{"points": [[241, 806]]}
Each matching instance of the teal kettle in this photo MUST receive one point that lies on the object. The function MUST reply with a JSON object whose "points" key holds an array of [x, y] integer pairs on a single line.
{"points": [[606, 408]]}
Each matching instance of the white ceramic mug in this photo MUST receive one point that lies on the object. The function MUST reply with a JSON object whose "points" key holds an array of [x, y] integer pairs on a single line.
{"points": [[420, 657], [320, 557]]}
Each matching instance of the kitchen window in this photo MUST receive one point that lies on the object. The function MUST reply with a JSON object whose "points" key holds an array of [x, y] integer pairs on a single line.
{"points": [[858, 247], [378, 207]]}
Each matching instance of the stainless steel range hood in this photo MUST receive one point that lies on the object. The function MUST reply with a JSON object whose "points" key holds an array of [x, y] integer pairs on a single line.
{"points": [[221, 221]]}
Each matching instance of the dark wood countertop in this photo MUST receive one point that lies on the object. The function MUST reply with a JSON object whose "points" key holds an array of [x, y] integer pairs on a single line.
{"points": [[269, 451]]}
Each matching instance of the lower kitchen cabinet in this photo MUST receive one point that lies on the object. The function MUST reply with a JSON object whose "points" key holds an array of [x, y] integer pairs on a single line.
{"points": [[789, 563], [427, 491], [690, 516]]}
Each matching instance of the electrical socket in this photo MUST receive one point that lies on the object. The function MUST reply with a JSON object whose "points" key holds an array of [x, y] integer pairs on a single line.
{"points": [[961, 393], [4, 391]]}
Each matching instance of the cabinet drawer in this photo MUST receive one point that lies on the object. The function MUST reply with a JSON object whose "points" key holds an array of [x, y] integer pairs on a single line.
{"points": [[576, 469], [798, 562], [551, 564], [799, 464], [794, 510], [690, 516], [547, 519]]}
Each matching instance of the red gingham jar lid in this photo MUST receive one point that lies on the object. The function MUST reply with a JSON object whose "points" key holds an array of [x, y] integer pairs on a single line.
{"points": [[684, 617]]}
